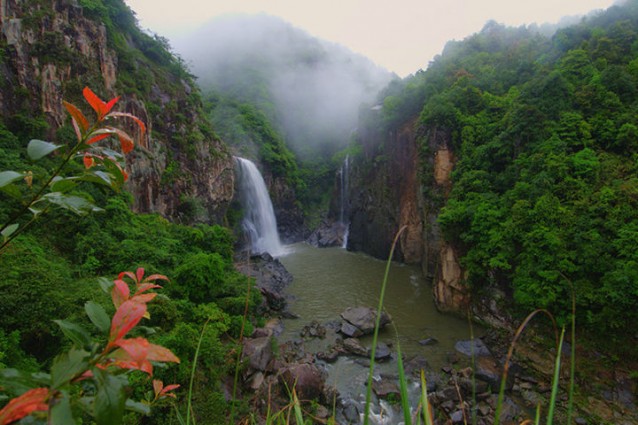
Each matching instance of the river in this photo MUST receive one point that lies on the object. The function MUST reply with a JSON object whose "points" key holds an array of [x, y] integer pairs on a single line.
{"points": [[328, 280]]}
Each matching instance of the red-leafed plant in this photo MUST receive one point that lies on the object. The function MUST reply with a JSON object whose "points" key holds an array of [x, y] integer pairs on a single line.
{"points": [[91, 378], [102, 165]]}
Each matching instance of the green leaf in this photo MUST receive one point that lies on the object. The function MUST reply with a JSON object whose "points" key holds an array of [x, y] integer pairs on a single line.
{"points": [[79, 206], [8, 231], [110, 398], [61, 184], [99, 177], [138, 407], [68, 365], [7, 177], [61, 413], [75, 333], [15, 382], [36, 149], [98, 316], [105, 284], [12, 190]]}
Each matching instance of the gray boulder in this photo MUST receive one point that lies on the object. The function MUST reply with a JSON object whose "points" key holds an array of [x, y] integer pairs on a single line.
{"points": [[364, 318]]}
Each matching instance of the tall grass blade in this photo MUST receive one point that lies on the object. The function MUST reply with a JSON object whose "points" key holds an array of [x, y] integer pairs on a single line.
{"points": [[366, 413], [508, 358], [572, 366], [192, 378], [297, 408], [552, 401], [427, 413], [403, 386]]}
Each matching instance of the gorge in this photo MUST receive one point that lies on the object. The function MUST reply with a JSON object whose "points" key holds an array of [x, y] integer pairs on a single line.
{"points": [[510, 161]]}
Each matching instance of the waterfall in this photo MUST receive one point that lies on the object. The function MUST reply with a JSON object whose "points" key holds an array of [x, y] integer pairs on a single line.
{"points": [[259, 221], [343, 210]]}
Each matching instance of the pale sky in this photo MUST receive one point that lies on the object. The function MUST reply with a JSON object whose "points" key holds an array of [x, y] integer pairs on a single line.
{"points": [[400, 35]]}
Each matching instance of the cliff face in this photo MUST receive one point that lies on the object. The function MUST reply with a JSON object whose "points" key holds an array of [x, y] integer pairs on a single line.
{"points": [[385, 196], [50, 50], [403, 179]]}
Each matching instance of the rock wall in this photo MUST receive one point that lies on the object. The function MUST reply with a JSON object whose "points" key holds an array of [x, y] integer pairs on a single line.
{"points": [[50, 50], [385, 196], [403, 179]]}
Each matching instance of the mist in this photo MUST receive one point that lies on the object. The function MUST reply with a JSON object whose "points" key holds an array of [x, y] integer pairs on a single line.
{"points": [[311, 89]]}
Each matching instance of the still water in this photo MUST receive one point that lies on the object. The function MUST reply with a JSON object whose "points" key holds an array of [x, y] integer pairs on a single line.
{"points": [[329, 280]]}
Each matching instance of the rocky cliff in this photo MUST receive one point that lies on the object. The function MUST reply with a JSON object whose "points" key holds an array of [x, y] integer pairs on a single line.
{"points": [[403, 179], [50, 50]]}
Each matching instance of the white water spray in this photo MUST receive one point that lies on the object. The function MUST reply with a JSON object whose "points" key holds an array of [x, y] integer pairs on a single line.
{"points": [[343, 210], [259, 221]]}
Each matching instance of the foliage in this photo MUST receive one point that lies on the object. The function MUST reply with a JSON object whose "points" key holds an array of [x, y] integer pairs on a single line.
{"points": [[544, 132], [90, 378]]}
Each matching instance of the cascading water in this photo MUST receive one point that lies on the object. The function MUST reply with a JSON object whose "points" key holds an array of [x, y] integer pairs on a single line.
{"points": [[259, 221], [343, 211]]}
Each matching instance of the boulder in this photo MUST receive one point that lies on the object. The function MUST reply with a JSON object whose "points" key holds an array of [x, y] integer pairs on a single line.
{"points": [[258, 352], [350, 330], [364, 318], [382, 352], [353, 346], [384, 389], [313, 330], [472, 347], [429, 341], [306, 378]]}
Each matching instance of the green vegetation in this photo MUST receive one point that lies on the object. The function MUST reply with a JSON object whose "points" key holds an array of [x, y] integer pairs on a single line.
{"points": [[544, 189]]}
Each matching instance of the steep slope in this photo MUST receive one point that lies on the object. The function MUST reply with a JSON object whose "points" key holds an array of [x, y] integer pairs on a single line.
{"points": [[50, 50], [541, 137]]}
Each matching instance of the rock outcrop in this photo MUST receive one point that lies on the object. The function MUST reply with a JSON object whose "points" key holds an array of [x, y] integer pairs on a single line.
{"points": [[51, 50]]}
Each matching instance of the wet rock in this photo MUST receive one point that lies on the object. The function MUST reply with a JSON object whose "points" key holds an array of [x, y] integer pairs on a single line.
{"points": [[350, 412], [382, 352], [457, 417], [258, 352], [322, 412], [429, 341], [306, 378], [330, 356], [364, 318], [271, 277], [353, 346], [328, 234], [261, 332], [472, 347], [313, 330], [350, 330], [488, 370], [256, 380], [275, 325], [415, 365], [385, 389]]}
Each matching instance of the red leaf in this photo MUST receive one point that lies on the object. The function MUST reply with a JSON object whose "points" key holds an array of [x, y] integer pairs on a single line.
{"points": [[96, 103], [154, 277], [88, 161], [128, 314], [129, 274], [77, 116], [157, 353], [139, 122], [124, 174], [120, 293], [145, 287], [139, 273], [144, 298], [127, 143], [19, 407], [110, 105], [97, 138], [157, 387], [135, 348]]}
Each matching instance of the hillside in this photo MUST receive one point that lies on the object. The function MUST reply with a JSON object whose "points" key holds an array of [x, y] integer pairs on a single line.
{"points": [[519, 153]]}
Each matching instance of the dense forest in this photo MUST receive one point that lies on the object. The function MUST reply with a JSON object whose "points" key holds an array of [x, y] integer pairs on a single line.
{"points": [[543, 201], [544, 131]]}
